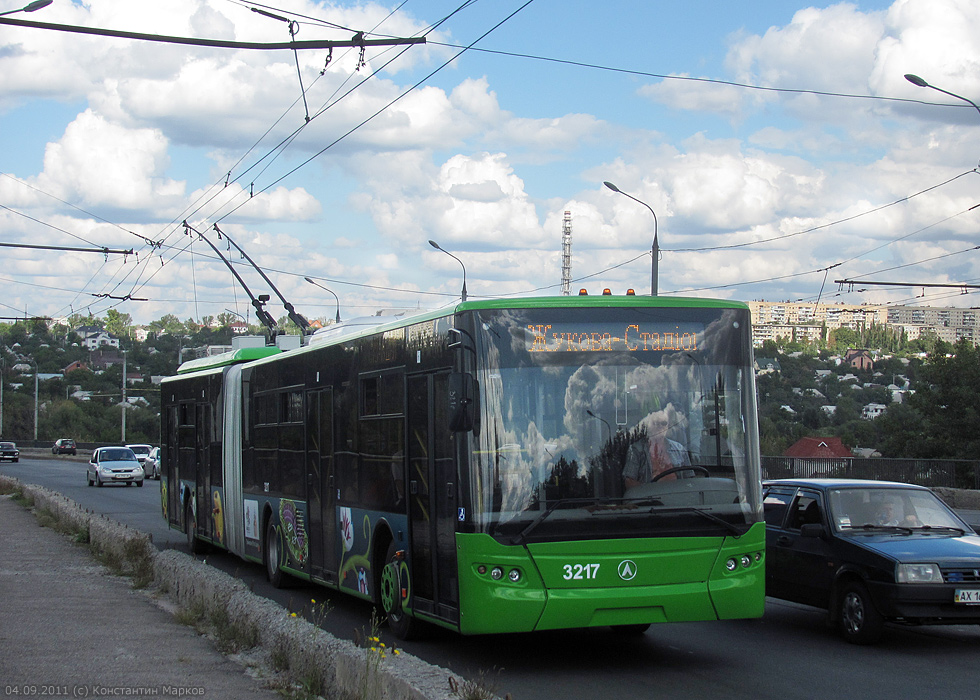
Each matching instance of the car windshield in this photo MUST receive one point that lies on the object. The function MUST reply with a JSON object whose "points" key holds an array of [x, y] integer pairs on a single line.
{"points": [[870, 509], [140, 449], [117, 454]]}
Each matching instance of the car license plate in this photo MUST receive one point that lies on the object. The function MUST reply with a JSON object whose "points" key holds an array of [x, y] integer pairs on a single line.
{"points": [[967, 596]]}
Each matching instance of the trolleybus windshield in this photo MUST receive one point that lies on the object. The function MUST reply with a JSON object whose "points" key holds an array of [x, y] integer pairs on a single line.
{"points": [[576, 404]]}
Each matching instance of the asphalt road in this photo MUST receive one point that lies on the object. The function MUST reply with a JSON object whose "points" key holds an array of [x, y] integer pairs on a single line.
{"points": [[789, 654]]}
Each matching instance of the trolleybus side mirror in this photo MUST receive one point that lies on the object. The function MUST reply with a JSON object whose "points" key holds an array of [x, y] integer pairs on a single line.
{"points": [[463, 402], [456, 340]]}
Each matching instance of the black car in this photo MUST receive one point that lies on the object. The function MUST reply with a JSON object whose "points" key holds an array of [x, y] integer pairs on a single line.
{"points": [[870, 552], [8, 450], [64, 446]]}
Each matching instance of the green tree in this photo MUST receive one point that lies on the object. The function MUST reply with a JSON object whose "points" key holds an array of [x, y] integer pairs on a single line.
{"points": [[843, 338], [946, 401], [902, 432], [117, 323], [940, 420]]}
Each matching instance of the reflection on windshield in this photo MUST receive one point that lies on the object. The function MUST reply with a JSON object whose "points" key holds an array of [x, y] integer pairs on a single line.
{"points": [[874, 508], [607, 425]]}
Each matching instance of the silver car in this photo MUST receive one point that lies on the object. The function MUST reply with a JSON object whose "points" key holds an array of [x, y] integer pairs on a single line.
{"points": [[151, 465], [114, 465]]}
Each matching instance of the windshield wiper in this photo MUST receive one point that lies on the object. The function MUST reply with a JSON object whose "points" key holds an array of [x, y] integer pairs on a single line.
{"points": [[521, 537], [633, 506], [889, 528], [939, 528], [731, 527]]}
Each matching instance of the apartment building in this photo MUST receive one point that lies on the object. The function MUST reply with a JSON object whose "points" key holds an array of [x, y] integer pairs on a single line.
{"points": [[809, 321]]}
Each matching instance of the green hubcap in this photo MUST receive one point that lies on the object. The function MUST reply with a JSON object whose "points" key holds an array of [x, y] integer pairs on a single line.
{"points": [[389, 587]]}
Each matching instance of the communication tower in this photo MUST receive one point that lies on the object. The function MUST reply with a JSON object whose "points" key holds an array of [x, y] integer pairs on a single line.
{"points": [[566, 254]]}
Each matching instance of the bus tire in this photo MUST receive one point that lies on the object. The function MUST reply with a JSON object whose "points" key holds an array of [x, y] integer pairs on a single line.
{"points": [[401, 624], [631, 630], [190, 526], [272, 555]]}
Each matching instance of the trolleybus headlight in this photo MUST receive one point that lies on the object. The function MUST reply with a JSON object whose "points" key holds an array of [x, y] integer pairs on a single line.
{"points": [[746, 561], [731, 564], [496, 573], [481, 569], [514, 575], [758, 557]]}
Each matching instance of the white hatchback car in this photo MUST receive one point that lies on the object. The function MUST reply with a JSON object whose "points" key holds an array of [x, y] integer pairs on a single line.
{"points": [[114, 465], [141, 451]]}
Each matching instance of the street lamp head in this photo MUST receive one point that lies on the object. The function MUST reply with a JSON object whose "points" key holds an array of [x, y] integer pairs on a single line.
{"points": [[30, 7], [435, 245], [611, 186], [916, 80]]}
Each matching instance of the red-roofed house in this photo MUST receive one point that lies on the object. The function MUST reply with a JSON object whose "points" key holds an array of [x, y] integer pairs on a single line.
{"points": [[821, 447]]}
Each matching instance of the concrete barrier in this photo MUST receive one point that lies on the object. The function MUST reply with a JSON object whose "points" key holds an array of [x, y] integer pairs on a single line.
{"points": [[961, 499], [339, 666]]}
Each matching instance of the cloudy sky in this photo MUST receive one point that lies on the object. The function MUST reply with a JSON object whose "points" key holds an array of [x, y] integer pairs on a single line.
{"points": [[778, 143]]}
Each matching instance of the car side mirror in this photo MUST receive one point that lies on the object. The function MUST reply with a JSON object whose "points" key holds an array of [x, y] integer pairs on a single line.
{"points": [[813, 530]]}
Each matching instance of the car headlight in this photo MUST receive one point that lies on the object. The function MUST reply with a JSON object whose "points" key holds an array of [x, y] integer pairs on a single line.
{"points": [[918, 573]]}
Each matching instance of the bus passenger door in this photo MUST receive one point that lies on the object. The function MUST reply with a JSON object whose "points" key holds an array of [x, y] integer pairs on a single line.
{"points": [[202, 476], [321, 489], [432, 489]]}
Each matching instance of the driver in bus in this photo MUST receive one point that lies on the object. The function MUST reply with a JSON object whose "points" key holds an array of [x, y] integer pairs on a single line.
{"points": [[654, 453]]}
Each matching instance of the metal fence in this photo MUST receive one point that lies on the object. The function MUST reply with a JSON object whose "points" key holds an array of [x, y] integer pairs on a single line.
{"points": [[953, 473]]}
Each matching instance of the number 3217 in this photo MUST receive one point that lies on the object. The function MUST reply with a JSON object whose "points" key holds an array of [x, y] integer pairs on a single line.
{"points": [[580, 571]]}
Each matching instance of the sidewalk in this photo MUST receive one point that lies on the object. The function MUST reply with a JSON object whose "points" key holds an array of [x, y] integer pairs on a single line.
{"points": [[68, 628]]}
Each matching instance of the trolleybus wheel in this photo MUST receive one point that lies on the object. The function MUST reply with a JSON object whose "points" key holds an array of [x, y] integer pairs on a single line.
{"points": [[631, 630], [401, 624], [190, 526], [272, 555]]}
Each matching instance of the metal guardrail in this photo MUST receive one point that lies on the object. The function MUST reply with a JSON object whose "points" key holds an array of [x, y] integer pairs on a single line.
{"points": [[952, 473]]}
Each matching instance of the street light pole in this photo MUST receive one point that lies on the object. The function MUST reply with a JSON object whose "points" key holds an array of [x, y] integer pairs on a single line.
{"points": [[655, 248], [315, 284], [436, 246], [34, 362], [916, 80]]}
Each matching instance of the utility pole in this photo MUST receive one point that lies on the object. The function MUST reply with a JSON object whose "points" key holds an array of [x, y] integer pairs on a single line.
{"points": [[566, 254], [123, 404]]}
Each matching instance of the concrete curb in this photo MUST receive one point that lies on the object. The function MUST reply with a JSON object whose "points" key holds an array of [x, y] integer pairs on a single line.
{"points": [[342, 668]]}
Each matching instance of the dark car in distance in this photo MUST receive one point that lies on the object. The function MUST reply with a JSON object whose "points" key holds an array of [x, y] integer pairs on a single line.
{"points": [[64, 446], [870, 552], [8, 450]]}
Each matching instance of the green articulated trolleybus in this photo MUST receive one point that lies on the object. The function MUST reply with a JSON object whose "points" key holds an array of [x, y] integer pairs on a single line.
{"points": [[487, 468]]}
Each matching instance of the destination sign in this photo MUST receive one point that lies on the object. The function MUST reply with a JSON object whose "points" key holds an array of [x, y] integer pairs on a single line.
{"points": [[604, 337]]}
